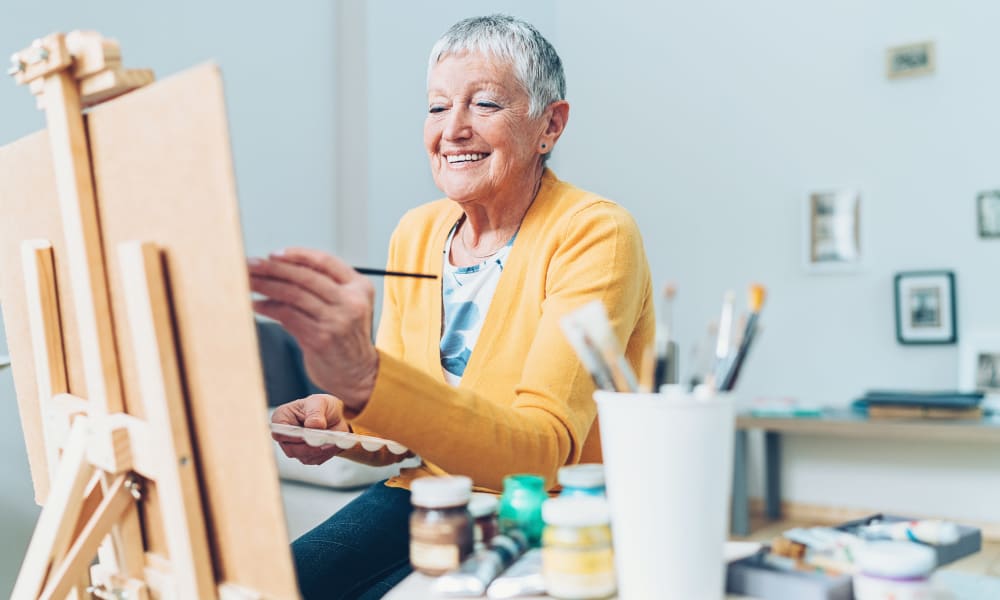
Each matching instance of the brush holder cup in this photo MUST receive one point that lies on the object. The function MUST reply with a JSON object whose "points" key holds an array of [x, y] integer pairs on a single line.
{"points": [[668, 462]]}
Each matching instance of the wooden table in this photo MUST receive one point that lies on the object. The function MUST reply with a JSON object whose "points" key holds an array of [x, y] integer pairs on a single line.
{"points": [[836, 423]]}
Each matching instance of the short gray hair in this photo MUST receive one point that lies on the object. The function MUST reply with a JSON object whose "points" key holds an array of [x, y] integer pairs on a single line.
{"points": [[535, 62]]}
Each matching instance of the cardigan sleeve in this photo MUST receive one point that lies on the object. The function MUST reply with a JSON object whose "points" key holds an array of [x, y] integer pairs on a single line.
{"points": [[389, 341], [598, 255]]}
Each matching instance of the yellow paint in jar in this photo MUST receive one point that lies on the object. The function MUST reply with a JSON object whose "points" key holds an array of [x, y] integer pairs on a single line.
{"points": [[577, 558]]}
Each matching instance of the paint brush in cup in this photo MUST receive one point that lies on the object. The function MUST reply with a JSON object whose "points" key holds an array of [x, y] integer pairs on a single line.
{"points": [[666, 349], [588, 353], [757, 295], [592, 320], [724, 341]]}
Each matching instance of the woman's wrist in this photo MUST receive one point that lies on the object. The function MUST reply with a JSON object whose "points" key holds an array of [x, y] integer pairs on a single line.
{"points": [[356, 398]]}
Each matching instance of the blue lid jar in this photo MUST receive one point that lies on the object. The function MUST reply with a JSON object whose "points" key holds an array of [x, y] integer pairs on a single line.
{"points": [[585, 479]]}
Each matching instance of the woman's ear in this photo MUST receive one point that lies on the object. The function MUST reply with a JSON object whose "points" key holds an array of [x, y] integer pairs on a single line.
{"points": [[556, 115]]}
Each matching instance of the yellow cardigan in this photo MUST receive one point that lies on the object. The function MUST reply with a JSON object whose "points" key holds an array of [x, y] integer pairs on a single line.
{"points": [[525, 403]]}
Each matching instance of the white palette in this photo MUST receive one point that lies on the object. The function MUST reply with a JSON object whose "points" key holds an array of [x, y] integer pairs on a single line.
{"points": [[340, 439]]}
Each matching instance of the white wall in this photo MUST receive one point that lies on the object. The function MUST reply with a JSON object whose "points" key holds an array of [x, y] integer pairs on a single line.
{"points": [[711, 122], [278, 64]]}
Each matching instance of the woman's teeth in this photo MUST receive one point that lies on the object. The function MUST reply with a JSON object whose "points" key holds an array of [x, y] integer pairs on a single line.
{"points": [[457, 158]]}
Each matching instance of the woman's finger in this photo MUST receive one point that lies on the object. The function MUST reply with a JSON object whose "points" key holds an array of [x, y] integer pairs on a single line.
{"points": [[314, 280], [288, 293], [332, 266], [302, 328]]}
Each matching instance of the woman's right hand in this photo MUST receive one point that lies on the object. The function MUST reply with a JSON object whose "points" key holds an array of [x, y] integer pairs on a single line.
{"points": [[318, 411]]}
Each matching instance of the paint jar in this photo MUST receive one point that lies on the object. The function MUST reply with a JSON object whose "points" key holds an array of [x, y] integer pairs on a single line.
{"points": [[440, 525], [585, 479], [483, 509], [894, 571], [521, 506], [577, 558]]}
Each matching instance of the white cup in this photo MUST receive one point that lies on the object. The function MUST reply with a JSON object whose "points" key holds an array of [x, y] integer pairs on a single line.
{"points": [[668, 462]]}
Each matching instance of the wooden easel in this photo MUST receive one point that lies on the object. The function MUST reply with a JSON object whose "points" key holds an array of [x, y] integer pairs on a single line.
{"points": [[118, 469]]}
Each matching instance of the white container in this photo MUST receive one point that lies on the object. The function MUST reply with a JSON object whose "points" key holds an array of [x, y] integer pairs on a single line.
{"points": [[894, 571], [668, 461]]}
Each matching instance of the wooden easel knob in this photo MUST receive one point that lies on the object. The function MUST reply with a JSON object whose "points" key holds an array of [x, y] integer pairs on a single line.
{"points": [[94, 61]]}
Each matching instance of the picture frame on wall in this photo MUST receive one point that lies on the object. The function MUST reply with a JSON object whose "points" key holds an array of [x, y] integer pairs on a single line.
{"points": [[979, 363], [832, 231], [925, 307], [988, 213], [910, 60]]}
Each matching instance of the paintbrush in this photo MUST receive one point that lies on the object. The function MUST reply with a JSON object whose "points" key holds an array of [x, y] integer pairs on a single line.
{"points": [[647, 369], [588, 353], [592, 320], [724, 340], [666, 350], [384, 273], [756, 301]]}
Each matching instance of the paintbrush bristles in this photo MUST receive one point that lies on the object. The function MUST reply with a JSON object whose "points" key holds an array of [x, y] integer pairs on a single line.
{"points": [[757, 295], [670, 290]]}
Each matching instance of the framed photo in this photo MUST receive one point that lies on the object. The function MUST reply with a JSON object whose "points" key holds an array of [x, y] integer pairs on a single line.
{"points": [[911, 60], [988, 213], [833, 231], [925, 308], [979, 364]]}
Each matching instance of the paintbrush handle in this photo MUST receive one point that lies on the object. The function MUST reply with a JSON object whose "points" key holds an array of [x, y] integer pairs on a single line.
{"points": [[384, 273], [733, 372]]}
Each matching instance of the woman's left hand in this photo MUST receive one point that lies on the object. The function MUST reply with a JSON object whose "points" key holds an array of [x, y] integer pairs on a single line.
{"points": [[328, 307]]}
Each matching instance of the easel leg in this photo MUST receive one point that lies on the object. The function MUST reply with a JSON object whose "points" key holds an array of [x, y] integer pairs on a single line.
{"points": [[115, 503], [58, 520]]}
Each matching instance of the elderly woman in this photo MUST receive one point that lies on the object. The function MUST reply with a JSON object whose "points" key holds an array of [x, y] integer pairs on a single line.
{"points": [[470, 371]]}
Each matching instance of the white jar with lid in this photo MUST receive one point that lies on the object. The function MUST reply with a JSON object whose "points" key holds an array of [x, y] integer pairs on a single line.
{"points": [[585, 479], [894, 571], [577, 558]]}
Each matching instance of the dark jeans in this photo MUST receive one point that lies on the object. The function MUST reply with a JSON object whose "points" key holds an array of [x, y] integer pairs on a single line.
{"points": [[362, 551]]}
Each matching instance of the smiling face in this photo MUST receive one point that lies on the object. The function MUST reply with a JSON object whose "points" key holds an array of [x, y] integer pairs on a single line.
{"points": [[481, 142]]}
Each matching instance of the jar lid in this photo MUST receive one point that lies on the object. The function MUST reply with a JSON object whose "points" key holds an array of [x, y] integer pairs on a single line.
{"points": [[895, 559], [482, 504], [441, 492], [576, 511], [587, 475], [524, 481]]}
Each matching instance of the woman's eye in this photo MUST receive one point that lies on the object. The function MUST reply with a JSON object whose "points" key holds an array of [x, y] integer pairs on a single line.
{"points": [[487, 104], [436, 109]]}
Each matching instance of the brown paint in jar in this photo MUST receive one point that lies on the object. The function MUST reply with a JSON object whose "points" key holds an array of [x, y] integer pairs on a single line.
{"points": [[440, 525]]}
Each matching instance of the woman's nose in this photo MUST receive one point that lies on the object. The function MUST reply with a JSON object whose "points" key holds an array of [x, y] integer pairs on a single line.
{"points": [[458, 125]]}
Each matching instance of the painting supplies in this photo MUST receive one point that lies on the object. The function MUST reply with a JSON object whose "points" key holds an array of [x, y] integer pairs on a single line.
{"points": [[647, 369], [928, 531], [897, 570], [384, 273], [440, 525], [521, 506], [756, 297], [586, 479], [588, 353], [473, 577], [592, 320], [723, 341], [666, 347], [523, 578], [577, 559]]}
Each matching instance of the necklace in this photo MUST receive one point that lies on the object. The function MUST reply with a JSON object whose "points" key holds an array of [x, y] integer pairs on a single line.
{"points": [[468, 249]]}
